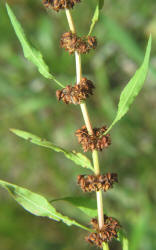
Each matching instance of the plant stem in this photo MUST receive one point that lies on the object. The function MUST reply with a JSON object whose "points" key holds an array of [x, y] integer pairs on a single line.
{"points": [[87, 123], [70, 21], [105, 246]]}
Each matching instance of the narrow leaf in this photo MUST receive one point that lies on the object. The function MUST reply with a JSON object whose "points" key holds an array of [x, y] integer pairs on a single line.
{"points": [[86, 204], [29, 52], [133, 88], [37, 204], [78, 158], [94, 19]]}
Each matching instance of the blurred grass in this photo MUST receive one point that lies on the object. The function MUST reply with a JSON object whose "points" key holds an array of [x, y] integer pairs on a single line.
{"points": [[27, 101]]}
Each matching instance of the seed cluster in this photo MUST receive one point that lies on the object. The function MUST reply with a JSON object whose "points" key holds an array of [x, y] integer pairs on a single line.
{"points": [[60, 4], [106, 233], [96, 141], [77, 93], [92, 183], [71, 42]]}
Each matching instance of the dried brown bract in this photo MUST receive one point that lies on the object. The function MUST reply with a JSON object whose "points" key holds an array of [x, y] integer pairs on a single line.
{"points": [[60, 4], [106, 233], [92, 183], [68, 42], [77, 93], [71, 42], [96, 141]]}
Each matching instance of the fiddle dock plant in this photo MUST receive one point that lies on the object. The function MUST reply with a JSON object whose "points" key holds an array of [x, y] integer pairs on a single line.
{"points": [[103, 228]]}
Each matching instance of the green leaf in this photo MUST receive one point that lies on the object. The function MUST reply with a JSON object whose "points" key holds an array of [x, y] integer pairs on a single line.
{"points": [[78, 158], [29, 52], [86, 204], [37, 204], [133, 88], [96, 15], [94, 19], [105, 246]]}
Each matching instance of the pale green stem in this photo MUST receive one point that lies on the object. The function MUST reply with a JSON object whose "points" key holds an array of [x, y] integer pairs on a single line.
{"points": [[70, 21], [105, 246], [88, 123]]}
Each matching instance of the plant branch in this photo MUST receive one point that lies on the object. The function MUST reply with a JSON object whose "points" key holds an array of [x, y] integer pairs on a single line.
{"points": [[87, 122]]}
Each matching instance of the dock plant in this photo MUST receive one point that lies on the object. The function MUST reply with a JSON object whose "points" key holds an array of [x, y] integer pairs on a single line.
{"points": [[104, 228]]}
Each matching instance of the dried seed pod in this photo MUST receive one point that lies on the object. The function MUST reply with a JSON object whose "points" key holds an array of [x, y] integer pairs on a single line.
{"points": [[59, 4], [92, 183], [77, 93], [68, 41], [94, 223], [92, 42], [72, 43], [96, 141], [106, 233]]}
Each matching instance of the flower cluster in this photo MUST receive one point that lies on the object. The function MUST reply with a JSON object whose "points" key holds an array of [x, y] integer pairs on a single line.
{"points": [[71, 42], [96, 141], [106, 233], [92, 183], [60, 4], [77, 93]]}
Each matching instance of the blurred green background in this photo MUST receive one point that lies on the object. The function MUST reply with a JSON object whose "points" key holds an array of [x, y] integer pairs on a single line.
{"points": [[27, 101]]}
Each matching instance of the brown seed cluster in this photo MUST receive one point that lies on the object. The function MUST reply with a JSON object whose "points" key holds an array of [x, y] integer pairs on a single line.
{"points": [[93, 183], [77, 93], [60, 4], [106, 233], [96, 141], [71, 42]]}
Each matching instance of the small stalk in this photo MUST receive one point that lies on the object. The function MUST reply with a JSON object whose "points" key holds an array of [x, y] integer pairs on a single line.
{"points": [[87, 123]]}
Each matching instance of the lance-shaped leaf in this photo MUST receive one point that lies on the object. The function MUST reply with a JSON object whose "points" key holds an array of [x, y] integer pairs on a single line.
{"points": [[133, 88], [95, 17], [37, 204], [29, 52], [78, 158], [86, 204]]}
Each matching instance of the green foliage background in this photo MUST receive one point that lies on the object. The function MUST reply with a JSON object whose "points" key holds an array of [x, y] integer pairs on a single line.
{"points": [[28, 102]]}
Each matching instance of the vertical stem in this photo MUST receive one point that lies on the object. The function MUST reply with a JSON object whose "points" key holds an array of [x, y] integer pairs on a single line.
{"points": [[99, 193], [83, 105], [70, 21], [100, 208], [78, 67], [88, 123]]}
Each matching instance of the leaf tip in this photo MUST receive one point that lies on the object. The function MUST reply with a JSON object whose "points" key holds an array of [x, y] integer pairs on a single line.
{"points": [[7, 6], [12, 130]]}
